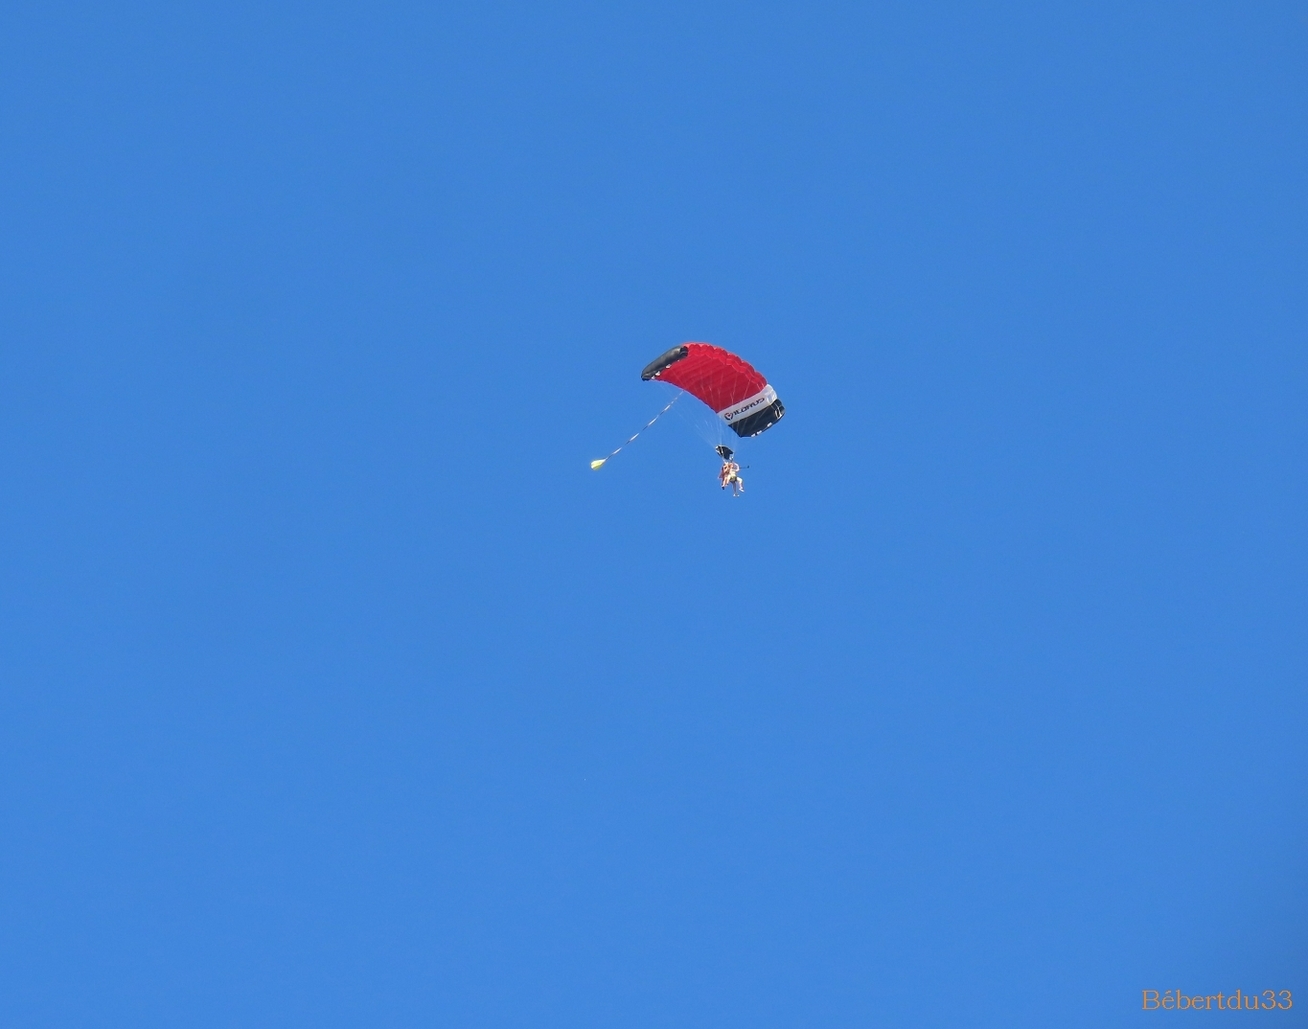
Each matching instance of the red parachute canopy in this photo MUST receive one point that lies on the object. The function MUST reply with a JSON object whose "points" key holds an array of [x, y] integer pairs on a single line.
{"points": [[739, 394]]}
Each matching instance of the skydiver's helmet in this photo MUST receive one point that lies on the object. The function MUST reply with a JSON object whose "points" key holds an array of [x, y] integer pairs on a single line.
{"points": [[724, 452]]}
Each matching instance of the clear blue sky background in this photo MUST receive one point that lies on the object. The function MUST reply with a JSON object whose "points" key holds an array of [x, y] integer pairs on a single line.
{"points": [[335, 690]]}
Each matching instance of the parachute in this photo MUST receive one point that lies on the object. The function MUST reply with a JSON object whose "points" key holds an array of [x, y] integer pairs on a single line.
{"points": [[731, 387]]}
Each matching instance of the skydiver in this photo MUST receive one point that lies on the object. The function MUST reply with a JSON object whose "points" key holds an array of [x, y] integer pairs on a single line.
{"points": [[729, 475]]}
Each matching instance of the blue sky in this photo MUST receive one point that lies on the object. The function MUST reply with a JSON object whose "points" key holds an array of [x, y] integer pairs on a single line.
{"points": [[336, 690]]}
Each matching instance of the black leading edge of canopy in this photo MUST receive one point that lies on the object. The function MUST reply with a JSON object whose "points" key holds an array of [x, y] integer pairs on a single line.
{"points": [[663, 360], [759, 420]]}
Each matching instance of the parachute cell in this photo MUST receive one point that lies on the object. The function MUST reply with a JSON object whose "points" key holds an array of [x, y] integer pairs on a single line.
{"points": [[730, 386]]}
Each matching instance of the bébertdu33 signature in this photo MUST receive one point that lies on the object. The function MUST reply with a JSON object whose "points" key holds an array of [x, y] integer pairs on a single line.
{"points": [[1175, 1000]]}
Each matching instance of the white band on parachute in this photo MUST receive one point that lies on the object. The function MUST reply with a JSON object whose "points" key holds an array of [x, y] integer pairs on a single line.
{"points": [[750, 405]]}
